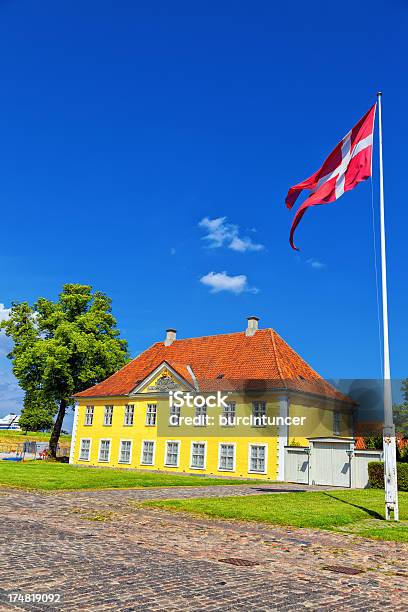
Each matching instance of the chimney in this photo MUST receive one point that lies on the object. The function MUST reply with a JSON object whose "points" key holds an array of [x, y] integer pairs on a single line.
{"points": [[252, 326], [170, 336]]}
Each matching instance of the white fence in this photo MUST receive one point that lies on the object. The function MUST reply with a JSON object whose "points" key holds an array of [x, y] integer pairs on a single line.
{"points": [[332, 462]]}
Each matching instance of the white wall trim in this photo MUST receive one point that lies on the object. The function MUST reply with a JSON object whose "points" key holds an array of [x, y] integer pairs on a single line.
{"points": [[265, 445], [194, 467], [110, 449], [80, 446], [283, 437], [120, 451], [74, 433], [178, 454], [226, 443], [154, 452]]}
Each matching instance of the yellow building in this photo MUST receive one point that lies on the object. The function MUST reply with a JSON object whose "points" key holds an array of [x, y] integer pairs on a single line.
{"points": [[245, 397]]}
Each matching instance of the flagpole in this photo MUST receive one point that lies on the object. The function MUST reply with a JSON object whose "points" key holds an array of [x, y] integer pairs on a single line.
{"points": [[389, 446]]}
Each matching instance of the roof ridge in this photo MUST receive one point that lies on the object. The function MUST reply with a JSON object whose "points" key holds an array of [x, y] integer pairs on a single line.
{"points": [[297, 354], [272, 336], [264, 329]]}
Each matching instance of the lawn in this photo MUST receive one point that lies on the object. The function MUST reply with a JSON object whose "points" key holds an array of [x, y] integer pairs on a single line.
{"points": [[355, 511], [51, 476], [18, 437]]}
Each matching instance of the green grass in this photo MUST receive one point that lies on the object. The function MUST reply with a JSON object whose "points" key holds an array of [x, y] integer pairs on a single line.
{"points": [[52, 476], [355, 511], [17, 437]]}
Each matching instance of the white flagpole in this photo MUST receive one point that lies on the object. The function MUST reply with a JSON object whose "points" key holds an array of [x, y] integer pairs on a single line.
{"points": [[390, 459]]}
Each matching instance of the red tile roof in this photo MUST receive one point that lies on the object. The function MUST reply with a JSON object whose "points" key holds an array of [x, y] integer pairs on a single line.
{"points": [[263, 360]]}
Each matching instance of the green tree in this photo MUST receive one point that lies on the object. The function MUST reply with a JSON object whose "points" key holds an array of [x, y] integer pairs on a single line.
{"points": [[38, 412], [401, 412], [63, 347]]}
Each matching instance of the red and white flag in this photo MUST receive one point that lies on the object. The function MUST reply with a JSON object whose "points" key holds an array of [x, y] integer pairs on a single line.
{"points": [[347, 165]]}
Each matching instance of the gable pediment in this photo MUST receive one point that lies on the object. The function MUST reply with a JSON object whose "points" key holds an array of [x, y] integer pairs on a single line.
{"points": [[162, 379]]}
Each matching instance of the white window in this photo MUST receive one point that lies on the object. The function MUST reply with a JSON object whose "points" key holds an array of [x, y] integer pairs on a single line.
{"points": [[201, 416], [336, 423], [147, 457], [104, 450], [258, 412], [85, 450], [229, 414], [89, 412], [257, 458], [226, 457], [175, 412], [107, 418], [125, 453], [129, 414], [172, 453], [198, 455], [151, 413]]}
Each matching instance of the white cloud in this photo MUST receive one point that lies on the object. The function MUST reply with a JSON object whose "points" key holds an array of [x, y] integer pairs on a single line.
{"points": [[5, 343], [4, 312], [244, 244], [220, 233], [221, 281], [315, 263]]}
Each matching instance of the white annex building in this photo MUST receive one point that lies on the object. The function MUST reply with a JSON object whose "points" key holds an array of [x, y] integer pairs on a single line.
{"points": [[10, 421]]}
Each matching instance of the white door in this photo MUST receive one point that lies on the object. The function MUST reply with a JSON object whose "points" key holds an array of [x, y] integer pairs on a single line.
{"points": [[296, 465], [303, 468], [331, 464]]}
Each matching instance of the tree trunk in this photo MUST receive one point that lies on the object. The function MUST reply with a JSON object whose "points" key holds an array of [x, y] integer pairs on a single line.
{"points": [[56, 430]]}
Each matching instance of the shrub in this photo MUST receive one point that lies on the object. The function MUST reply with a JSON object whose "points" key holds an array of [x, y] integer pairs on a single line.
{"points": [[374, 442], [402, 453], [376, 475]]}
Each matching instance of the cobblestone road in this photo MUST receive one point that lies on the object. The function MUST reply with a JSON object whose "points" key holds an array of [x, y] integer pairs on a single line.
{"points": [[147, 559]]}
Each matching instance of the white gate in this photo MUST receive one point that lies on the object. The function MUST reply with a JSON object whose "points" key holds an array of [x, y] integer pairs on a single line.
{"points": [[330, 461], [297, 464]]}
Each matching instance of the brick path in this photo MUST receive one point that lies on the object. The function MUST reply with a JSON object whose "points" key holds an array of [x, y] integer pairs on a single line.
{"points": [[148, 559]]}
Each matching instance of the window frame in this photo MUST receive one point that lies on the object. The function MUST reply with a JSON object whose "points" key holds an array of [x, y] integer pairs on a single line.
{"points": [[109, 452], [87, 414], [105, 424], [336, 421], [234, 466], [130, 451], [126, 414], [172, 465], [80, 449], [253, 412], [228, 414], [172, 411], [149, 405], [198, 467], [250, 446], [204, 412], [154, 453]]}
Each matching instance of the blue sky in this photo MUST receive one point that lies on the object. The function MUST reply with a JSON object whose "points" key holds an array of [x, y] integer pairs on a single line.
{"points": [[124, 125]]}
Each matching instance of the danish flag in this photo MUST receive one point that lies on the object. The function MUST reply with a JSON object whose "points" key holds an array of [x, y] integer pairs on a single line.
{"points": [[348, 164]]}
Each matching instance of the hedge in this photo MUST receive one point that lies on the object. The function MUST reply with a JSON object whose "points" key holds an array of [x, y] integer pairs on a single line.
{"points": [[376, 475]]}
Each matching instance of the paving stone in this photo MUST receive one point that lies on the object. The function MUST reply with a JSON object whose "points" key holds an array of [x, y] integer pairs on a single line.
{"points": [[149, 559]]}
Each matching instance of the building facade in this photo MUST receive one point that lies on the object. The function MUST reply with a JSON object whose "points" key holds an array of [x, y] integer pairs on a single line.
{"points": [[245, 397]]}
